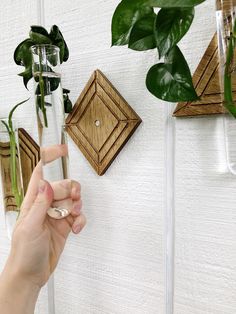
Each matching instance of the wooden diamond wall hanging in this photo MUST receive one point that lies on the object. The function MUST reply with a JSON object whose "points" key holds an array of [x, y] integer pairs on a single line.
{"points": [[101, 122], [206, 80]]}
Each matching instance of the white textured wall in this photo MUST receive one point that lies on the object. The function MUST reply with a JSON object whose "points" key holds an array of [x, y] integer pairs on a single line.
{"points": [[117, 265]]}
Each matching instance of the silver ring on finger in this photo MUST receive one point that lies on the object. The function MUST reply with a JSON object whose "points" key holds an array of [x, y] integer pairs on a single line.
{"points": [[58, 212]]}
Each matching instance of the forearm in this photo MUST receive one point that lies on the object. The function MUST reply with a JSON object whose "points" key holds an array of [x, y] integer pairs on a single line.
{"points": [[17, 296]]}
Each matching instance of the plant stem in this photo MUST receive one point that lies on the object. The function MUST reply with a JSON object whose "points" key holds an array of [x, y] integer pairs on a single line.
{"points": [[41, 86], [229, 69], [15, 181], [13, 167], [17, 192]]}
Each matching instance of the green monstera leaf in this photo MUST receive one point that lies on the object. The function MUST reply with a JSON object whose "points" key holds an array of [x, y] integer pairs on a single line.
{"points": [[142, 36], [126, 15], [170, 27], [171, 81]]}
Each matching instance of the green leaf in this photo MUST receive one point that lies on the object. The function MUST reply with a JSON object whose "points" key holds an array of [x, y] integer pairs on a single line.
{"points": [[172, 3], [66, 52], [39, 35], [170, 27], [127, 13], [58, 40], [55, 33], [39, 29], [142, 36], [67, 104], [228, 90], [54, 83], [22, 54], [171, 81], [230, 106], [61, 46], [7, 127], [12, 111], [39, 39], [66, 91], [27, 75]]}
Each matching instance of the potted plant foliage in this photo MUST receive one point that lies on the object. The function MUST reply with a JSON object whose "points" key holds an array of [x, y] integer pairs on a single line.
{"points": [[136, 24]]}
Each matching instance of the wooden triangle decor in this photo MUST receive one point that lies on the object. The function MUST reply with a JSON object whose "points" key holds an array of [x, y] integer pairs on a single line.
{"points": [[206, 80], [29, 156], [8, 197], [101, 122]]}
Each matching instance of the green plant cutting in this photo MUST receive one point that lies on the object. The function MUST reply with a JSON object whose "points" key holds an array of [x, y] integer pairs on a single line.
{"points": [[38, 35], [16, 190], [229, 70], [136, 24], [23, 56]]}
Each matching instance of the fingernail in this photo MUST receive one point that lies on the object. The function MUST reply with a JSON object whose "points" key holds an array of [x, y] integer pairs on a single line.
{"points": [[76, 229], [77, 208], [42, 186], [76, 191]]}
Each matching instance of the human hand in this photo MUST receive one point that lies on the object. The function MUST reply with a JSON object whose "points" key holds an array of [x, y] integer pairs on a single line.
{"points": [[38, 240]]}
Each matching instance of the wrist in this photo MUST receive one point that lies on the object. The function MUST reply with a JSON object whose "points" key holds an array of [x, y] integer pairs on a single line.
{"points": [[16, 279], [17, 293]]}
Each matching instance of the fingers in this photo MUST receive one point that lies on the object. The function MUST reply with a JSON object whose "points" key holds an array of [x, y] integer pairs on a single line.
{"points": [[43, 201], [49, 154], [65, 189], [32, 189], [79, 224], [74, 207], [62, 190], [64, 226]]}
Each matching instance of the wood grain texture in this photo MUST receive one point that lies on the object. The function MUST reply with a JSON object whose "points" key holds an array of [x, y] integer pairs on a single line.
{"points": [[101, 122], [225, 5], [9, 199], [206, 81], [207, 77], [29, 156]]}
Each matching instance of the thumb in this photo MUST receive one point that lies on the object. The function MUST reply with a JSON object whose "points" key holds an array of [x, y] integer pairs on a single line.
{"points": [[43, 201]]}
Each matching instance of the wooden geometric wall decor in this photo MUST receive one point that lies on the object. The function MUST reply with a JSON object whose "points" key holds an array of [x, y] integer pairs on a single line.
{"points": [[29, 156], [101, 122], [206, 80], [9, 199]]}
